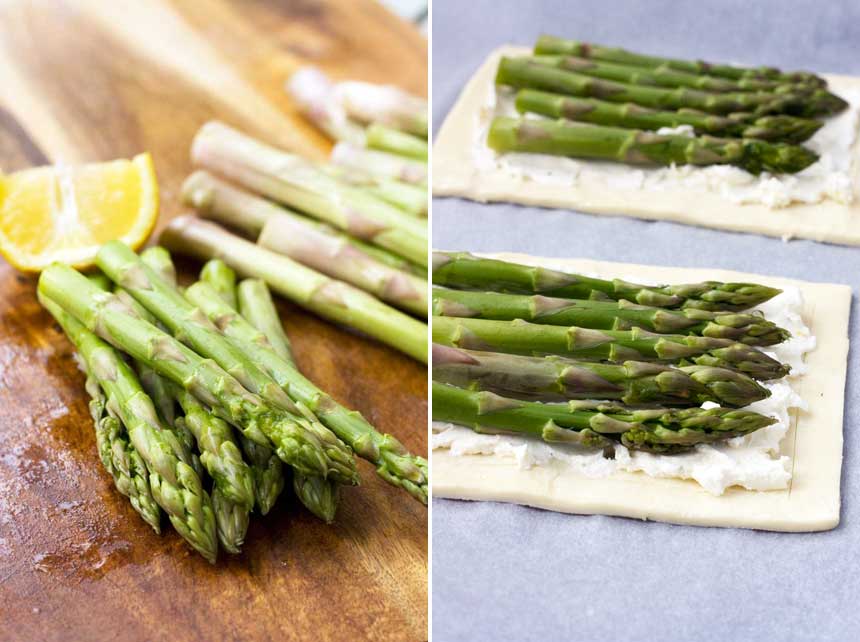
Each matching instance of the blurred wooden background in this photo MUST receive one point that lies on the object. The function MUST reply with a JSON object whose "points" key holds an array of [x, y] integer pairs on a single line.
{"points": [[92, 80]]}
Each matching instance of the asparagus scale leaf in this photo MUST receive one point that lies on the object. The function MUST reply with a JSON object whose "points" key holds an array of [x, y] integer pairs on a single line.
{"points": [[593, 425], [467, 271]]}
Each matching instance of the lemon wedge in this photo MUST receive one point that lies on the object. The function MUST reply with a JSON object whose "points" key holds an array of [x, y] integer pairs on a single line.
{"points": [[65, 213]]}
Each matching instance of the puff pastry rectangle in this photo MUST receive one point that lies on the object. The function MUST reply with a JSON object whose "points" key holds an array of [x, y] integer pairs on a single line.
{"points": [[455, 174], [814, 440]]}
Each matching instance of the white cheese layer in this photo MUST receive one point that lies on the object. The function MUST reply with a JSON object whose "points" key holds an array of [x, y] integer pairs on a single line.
{"points": [[753, 461], [830, 178]]}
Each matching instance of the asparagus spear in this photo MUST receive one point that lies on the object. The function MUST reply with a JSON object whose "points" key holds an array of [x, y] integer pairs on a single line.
{"points": [[779, 128], [320, 451], [222, 278], [521, 337], [118, 324], [751, 329], [380, 163], [296, 182], [394, 463], [233, 492], [117, 454], [391, 140], [218, 201], [524, 73], [386, 104], [637, 147], [553, 45], [317, 494], [555, 378], [662, 76], [173, 483], [464, 270], [591, 424], [256, 305], [327, 297]]}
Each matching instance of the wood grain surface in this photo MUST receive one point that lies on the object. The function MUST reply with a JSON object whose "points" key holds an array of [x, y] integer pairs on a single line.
{"points": [[93, 80]]}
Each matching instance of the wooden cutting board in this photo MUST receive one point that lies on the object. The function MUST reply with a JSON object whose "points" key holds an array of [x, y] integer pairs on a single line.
{"points": [[91, 80]]}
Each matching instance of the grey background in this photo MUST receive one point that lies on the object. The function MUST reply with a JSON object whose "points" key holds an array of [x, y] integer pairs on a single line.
{"points": [[505, 572]]}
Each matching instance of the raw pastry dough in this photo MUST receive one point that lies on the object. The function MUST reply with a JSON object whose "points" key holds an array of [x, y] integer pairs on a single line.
{"points": [[814, 440], [454, 174]]}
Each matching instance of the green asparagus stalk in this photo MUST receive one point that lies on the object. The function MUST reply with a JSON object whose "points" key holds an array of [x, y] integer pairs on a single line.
{"points": [[298, 183], [751, 329], [256, 305], [523, 73], [386, 104], [321, 249], [521, 337], [394, 463], [268, 472], [320, 452], [554, 46], [218, 201], [409, 198], [173, 483], [317, 494], [555, 378], [662, 76], [327, 297], [637, 147], [594, 425], [378, 163], [394, 141], [467, 271], [222, 278], [117, 454], [334, 256], [265, 466], [780, 128], [118, 324]]}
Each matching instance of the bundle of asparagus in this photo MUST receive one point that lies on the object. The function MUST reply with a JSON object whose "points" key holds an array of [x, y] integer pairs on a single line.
{"points": [[603, 103], [498, 354], [344, 253], [200, 385]]}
